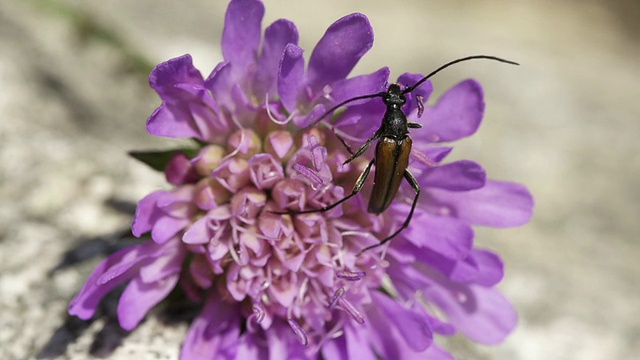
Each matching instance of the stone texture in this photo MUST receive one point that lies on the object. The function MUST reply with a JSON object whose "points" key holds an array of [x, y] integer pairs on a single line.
{"points": [[75, 100]]}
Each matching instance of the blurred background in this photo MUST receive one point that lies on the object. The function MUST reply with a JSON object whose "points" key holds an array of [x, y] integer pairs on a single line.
{"points": [[75, 99]]}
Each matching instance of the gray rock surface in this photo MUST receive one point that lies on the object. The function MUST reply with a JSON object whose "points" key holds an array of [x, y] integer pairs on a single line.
{"points": [[74, 100]]}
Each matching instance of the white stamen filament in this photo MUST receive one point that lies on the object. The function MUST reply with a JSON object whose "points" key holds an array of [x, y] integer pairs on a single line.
{"points": [[237, 149], [303, 290], [355, 232], [250, 232], [273, 118]]}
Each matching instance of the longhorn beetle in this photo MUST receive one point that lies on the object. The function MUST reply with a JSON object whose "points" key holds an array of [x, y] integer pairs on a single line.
{"points": [[392, 151]]}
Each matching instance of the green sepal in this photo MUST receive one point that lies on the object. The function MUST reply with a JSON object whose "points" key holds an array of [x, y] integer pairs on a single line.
{"points": [[159, 159]]}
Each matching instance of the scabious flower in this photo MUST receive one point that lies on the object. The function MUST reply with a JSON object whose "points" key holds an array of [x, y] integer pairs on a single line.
{"points": [[295, 286]]}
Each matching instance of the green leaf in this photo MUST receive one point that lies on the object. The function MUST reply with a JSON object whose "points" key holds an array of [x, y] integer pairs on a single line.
{"points": [[159, 159]]}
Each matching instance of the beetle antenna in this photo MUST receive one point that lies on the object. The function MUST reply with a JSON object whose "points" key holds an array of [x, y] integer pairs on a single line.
{"points": [[488, 57], [334, 108]]}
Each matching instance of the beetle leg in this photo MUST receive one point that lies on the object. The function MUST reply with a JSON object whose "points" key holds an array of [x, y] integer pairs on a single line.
{"points": [[416, 187], [356, 189], [363, 148], [413, 125]]}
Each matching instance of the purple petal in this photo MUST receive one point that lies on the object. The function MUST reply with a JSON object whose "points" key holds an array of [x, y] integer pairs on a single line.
{"points": [[167, 227], [342, 45], [410, 324], [177, 202], [428, 156], [220, 83], [383, 338], [174, 71], [463, 271], [460, 270], [170, 79], [482, 314], [490, 266], [291, 76], [386, 339], [99, 283], [460, 175], [139, 297], [358, 342], [305, 120], [203, 113], [276, 37], [242, 32], [337, 349], [497, 204], [283, 344], [214, 333], [457, 114], [164, 122], [192, 112], [362, 121], [168, 261], [435, 353], [146, 214], [360, 85], [205, 228], [424, 91], [251, 347], [445, 235], [438, 153], [407, 279], [441, 327]]}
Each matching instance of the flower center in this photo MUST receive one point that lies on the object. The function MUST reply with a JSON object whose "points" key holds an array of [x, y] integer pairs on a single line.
{"points": [[258, 251]]}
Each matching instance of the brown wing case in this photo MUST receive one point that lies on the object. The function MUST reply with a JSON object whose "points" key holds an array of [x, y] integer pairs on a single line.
{"points": [[392, 159]]}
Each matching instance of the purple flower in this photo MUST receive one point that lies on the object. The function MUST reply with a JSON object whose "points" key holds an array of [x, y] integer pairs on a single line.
{"points": [[295, 286]]}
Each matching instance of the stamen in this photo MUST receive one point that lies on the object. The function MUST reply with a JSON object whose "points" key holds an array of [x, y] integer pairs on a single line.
{"points": [[318, 152], [242, 137], [351, 310], [336, 296], [335, 332], [232, 250], [303, 289], [299, 331], [265, 285], [382, 263], [273, 118], [256, 317], [351, 275], [240, 228], [258, 312], [355, 233], [308, 173], [423, 158], [420, 100], [326, 92]]}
